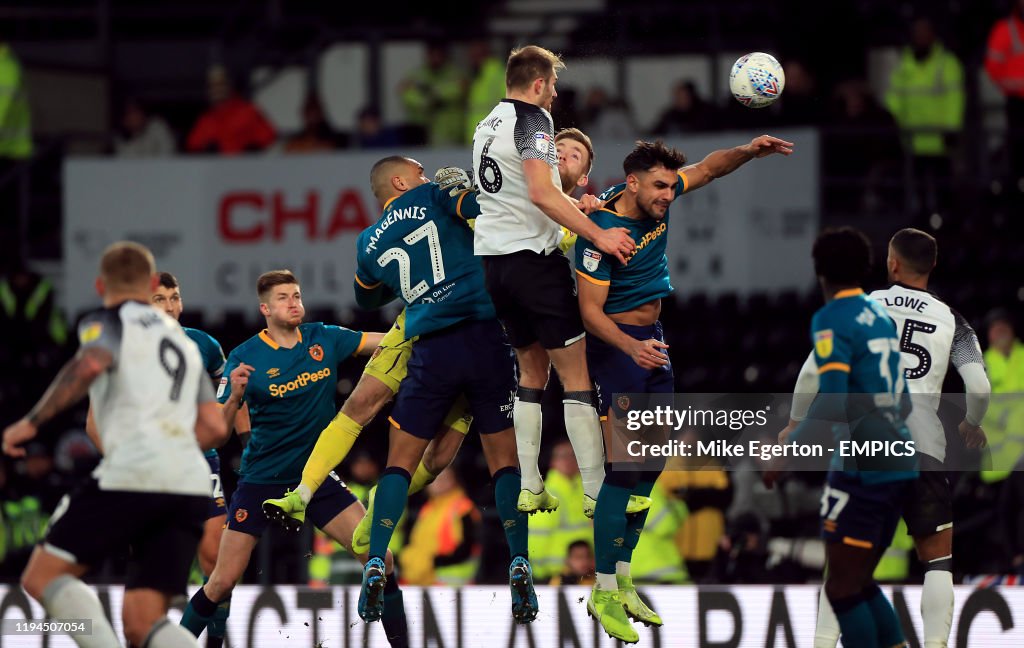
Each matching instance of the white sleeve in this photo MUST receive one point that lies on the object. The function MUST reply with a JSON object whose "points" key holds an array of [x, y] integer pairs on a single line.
{"points": [[978, 391], [805, 390], [966, 356]]}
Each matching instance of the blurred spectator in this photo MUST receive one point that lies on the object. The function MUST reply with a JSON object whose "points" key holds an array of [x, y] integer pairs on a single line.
{"points": [[486, 87], [29, 314], [1004, 62], [800, 104], [579, 565], [371, 133], [656, 558], [861, 152], [707, 492], [552, 533], [926, 96], [15, 118], [687, 113], [605, 118], [742, 553], [434, 98], [564, 111], [232, 124], [15, 139], [443, 545], [316, 135], [1004, 421], [143, 134]]}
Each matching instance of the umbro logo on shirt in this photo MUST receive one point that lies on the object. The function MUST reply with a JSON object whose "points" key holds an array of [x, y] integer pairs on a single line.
{"points": [[273, 373]]}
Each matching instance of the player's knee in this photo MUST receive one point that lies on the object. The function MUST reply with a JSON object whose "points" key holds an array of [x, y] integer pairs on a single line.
{"points": [[219, 585], [207, 554], [842, 591], [366, 401]]}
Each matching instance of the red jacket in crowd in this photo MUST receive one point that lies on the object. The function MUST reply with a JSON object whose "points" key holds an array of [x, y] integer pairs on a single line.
{"points": [[1004, 60], [232, 126]]}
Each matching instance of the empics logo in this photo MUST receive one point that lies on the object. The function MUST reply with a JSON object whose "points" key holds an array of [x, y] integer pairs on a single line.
{"points": [[300, 381]]}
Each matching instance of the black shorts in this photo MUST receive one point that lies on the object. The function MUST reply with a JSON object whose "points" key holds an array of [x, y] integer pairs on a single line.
{"points": [[160, 531], [534, 296], [928, 508], [245, 514]]}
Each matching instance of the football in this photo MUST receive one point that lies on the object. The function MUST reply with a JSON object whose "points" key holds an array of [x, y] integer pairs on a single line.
{"points": [[757, 80]]}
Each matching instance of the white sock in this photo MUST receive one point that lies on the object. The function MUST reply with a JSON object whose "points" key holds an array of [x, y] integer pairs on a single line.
{"points": [[66, 597], [584, 429], [304, 493], [607, 582], [826, 630], [526, 416], [169, 635], [622, 568], [937, 607]]}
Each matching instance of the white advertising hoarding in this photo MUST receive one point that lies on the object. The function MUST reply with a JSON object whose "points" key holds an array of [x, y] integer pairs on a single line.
{"points": [[217, 223], [475, 617]]}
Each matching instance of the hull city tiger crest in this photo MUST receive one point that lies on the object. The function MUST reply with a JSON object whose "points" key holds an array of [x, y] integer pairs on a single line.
{"points": [[623, 402], [316, 352]]}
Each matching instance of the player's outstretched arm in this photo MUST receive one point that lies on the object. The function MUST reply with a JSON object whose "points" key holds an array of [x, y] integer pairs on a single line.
{"points": [[725, 161], [70, 386], [211, 429], [370, 343], [562, 209]]}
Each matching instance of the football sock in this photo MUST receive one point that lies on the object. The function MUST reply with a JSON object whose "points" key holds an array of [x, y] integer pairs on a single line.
{"points": [[66, 597], [635, 526], [507, 485], [890, 633], [331, 448], [165, 634], [421, 478], [526, 417], [388, 507], [396, 628], [217, 629], [826, 630], [610, 526], [856, 622], [937, 602], [584, 430], [198, 613]]}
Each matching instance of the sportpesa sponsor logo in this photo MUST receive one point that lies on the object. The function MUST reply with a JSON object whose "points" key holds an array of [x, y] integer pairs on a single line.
{"points": [[301, 380], [650, 236]]}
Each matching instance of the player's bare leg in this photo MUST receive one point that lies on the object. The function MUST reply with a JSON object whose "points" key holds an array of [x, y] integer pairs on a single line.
{"points": [[534, 367], [144, 613], [209, 545], [936, 554], [865, 615], [502, 459], [233, 557], [55, 583]]}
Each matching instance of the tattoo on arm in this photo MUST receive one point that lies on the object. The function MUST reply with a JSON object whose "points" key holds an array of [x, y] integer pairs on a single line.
{"points": [[71, 384]]}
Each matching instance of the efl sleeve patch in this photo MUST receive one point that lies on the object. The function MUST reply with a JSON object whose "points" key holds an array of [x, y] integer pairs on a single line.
{"points": [[823, 343]]}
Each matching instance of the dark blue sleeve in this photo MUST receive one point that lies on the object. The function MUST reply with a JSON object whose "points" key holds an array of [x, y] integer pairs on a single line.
{"points": [[224, 386]]}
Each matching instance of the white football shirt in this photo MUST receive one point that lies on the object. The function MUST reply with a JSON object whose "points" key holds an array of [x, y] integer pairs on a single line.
{"points": [[509, 221], [145, 404]]}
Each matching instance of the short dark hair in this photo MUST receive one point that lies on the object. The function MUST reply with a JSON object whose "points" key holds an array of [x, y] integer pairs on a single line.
{"points": [[577, 135], [126, 264], [273, 278], [379, 172], [842, 256], [647, 155], [527, 64], [918, 249], [167, 280], [578, 543]]}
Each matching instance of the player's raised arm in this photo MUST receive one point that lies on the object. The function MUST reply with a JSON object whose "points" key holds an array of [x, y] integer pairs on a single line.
{"points": [[211, 428], [562, 209], [725, 161], [100, 339]]}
